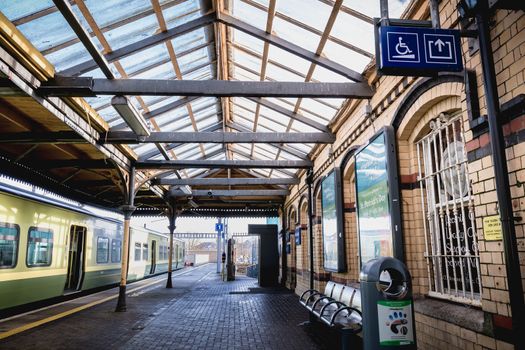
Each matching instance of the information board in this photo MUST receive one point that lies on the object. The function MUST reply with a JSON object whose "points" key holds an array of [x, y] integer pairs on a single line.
{"points": [[378, 212], [298, 239], [332, 223]]}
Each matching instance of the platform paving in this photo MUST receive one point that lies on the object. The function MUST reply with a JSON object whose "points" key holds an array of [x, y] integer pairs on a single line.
{"points": [[200, 312]]}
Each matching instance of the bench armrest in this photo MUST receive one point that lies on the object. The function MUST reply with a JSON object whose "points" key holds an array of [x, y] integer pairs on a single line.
{"points": [[310, 291], [352, 310], [319, 299], [311, 296], [338, 303]]}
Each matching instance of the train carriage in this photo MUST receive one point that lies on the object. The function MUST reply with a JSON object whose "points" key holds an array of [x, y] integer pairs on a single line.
{"points": [[49, 249]]}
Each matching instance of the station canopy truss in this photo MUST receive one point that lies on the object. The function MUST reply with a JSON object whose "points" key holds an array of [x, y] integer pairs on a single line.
{"points": [[222, 103]]}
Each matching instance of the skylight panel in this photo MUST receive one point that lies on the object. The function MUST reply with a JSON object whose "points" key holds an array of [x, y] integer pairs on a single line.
{"points": [[110, 11], [292, 33], [152, 56], [243, 11], [247, 41], [277, 73], [354, 31], [15, 10], [47, 31], [181, 13], [243, 59], [190, 40], [316, 16], [204, 73], [132, 32], [346, 57]]}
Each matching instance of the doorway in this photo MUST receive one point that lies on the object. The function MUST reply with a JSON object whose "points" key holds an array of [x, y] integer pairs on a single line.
{"points": [[75, 267], [153, 257]]}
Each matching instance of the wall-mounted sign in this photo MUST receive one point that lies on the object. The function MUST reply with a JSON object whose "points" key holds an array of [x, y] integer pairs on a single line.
{"points": [[418, 51], [219, 227], [492, 228], [332, 223], [378, 211], [298, 235], [396, 326]]}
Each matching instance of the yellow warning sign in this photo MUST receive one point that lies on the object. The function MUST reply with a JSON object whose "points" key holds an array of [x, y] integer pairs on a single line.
{"points": [[492, 228]]}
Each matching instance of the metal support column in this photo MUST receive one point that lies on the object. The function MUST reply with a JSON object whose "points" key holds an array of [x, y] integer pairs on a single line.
{"points": [[128, 210], [309, 182], [383, 5], [172, 212], [497, 143], [434, 13]]}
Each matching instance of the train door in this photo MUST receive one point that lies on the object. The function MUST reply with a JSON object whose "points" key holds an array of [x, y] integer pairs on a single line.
{"points": [[75, 262], [153, 257]]}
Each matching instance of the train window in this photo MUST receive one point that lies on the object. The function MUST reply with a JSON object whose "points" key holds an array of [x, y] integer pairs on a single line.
{"points": [[39, 247], [9, 234], [102, 250], [116, 247], [137, 251], [145, 252]]}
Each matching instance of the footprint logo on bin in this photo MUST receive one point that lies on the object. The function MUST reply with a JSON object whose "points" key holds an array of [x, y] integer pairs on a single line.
{"points": [[398, 320]]}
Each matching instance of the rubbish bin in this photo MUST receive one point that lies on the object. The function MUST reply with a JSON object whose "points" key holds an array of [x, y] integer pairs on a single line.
{"points": [[386, 297]]}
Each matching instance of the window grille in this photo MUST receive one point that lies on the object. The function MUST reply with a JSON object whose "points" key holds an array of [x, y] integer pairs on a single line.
{"points": [[451, 247]]}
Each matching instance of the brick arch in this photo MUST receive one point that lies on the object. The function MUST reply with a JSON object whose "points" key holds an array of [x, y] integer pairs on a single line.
{"points": [[423, 96], [291, 211], [423, 103]]}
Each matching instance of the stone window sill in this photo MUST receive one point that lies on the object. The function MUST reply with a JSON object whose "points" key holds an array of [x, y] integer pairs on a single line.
{"points": [[461, 315]]}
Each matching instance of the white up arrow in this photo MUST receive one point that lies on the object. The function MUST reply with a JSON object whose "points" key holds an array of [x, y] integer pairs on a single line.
{"points": [[439, 43]]}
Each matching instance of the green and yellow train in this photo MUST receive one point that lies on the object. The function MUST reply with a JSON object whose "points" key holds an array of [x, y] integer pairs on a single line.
{"points": [[49, 249]]}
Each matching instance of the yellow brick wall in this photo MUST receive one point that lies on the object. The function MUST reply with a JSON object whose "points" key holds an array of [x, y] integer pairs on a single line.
{"points": [[353, 128]]}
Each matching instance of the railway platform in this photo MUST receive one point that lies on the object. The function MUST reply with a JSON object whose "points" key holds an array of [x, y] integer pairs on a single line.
{"points": [[199, 312]]}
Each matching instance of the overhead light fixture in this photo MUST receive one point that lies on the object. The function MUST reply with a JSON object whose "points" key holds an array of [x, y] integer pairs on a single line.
{"points": [[131, 115], [467, 8], [192, 203]]}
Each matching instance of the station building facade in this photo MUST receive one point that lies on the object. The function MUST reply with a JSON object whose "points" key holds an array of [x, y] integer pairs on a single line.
{"points": [[447, 202]]}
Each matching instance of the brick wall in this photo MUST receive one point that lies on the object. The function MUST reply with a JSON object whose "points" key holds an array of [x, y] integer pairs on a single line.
{"points": [[421, 100]]}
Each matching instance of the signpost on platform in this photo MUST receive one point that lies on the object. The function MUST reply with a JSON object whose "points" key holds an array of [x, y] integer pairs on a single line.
{"points": [[417, 51], [219, 227]]}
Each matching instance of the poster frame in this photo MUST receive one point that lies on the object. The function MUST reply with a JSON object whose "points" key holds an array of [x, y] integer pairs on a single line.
{"points": [[394, 198], [341, 256]]}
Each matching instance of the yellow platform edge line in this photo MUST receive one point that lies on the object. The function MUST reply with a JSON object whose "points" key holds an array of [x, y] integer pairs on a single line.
{"points": [[67, 313]]}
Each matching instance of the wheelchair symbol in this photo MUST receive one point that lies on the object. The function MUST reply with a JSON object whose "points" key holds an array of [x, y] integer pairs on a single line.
{"points": [[403, 50]]}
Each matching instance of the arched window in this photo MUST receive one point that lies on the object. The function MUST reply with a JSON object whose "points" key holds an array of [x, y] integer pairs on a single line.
{"points": [[451, 247]]}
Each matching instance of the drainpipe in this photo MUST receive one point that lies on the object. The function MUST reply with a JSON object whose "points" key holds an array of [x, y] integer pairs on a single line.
{"points": [[309, 182], [497, 143]]}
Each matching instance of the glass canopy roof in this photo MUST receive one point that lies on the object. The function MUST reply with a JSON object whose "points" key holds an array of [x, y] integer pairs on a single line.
{"points": [[340, 31]]}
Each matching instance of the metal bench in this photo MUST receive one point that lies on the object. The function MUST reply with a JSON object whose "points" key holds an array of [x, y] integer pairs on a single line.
{"points": [[309, 297], [338, 307]]}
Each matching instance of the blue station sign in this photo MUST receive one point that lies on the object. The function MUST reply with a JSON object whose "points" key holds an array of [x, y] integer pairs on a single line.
{"points": [[418, 51], [219, 227]]}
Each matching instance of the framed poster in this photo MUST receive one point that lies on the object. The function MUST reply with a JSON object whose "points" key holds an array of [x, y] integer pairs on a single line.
{"points": [[377, 198], [332, 223], [298, 230]]}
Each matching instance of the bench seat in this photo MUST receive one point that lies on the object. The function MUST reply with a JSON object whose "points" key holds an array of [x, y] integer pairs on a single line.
{"points": [[339, 306]]}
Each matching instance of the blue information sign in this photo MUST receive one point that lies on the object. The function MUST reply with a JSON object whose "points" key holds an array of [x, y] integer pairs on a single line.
{"points": [[418, 51], [219, 227]]}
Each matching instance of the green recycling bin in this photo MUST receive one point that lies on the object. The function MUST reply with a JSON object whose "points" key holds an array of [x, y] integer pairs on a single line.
{"points": [[387, 306]]}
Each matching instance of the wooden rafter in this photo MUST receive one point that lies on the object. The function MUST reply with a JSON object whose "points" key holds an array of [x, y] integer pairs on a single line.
{"points": [[223, 71], [324, 38], [173, 57], [264, 62], [107, 49]]}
